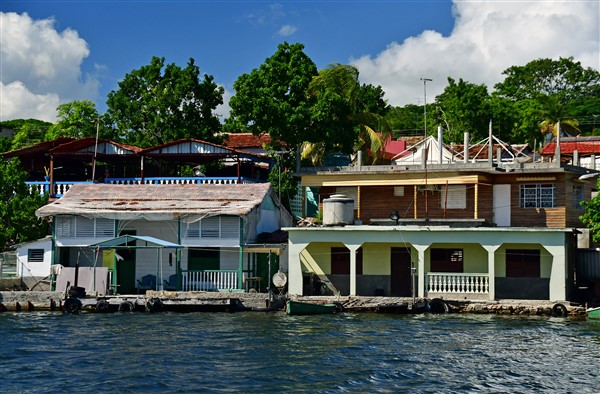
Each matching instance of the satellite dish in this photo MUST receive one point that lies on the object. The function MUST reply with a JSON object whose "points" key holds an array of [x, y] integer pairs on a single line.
{"points": [[279, 279]]}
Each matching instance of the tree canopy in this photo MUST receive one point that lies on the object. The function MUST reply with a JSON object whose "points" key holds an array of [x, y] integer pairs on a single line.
{"points": [[157, 104], [273, 98]]}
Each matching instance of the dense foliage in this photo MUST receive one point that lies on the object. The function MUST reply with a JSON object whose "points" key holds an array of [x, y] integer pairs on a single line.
{"points": [[18, 222], [157, 104]]}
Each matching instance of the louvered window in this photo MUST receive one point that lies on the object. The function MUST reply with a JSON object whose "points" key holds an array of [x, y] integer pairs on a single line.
{"points": [[35, 255], [209, 227], [80, 227], [84, 228], [65, 227], [455, 198], [230, 227], [193, 230]]}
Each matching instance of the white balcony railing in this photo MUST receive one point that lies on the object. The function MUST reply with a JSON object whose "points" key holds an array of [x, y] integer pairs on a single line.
{"points": [[464, 283], [209, 280]]}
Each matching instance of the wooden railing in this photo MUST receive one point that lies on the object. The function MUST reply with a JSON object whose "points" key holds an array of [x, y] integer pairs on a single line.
{"points": [[209, 280], [464, 283]]}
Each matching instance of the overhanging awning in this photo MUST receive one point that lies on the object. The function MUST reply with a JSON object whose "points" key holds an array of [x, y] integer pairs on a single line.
{"points": [[147, 242]]}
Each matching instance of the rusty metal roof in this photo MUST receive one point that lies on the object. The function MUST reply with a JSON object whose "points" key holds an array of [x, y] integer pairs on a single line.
{"points": [[190, 202]]}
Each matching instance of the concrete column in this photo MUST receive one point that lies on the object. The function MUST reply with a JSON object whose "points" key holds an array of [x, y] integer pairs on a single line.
{"points": [[295, 268], [353, 249], [558, 273], [491, 249], [421, 268]]}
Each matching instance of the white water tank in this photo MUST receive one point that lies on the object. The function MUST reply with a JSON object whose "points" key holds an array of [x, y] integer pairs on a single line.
{"points": [[338, 210]]}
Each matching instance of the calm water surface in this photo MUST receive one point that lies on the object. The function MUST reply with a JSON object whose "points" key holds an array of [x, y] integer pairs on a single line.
{"points": [[263, 353]]}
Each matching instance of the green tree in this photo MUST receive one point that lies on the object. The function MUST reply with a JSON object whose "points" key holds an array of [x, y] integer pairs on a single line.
{"points": [[157, 104], [591, 217], [407, 120], [273, 98], [77, 119], [546, 91], [18, 222], [463, 107]]}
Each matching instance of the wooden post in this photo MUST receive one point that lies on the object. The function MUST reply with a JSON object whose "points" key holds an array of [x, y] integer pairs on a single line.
{"points": [[476, 199]]}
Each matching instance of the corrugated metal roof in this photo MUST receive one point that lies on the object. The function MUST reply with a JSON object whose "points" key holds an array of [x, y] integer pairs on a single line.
{"points": [[158, 202], [87, 146]]}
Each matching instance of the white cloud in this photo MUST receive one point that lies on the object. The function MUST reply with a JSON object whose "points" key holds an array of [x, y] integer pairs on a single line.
{"points": [[287, 30], [41, 68], [17, 102], [488, 37]]}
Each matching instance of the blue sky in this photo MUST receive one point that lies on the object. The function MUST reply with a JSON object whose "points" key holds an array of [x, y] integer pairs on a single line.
{"points": [[58, 51]]}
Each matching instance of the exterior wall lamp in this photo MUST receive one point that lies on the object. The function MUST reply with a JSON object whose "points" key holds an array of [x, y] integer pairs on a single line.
{"points": [[394, 216]]}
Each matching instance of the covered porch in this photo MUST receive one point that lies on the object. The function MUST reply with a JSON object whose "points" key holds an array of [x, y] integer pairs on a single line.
{"points": [[431, 261]]}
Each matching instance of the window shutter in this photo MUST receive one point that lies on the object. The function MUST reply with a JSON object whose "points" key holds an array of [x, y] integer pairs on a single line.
{"points": [[230, 227], [456, 199], [105, 227], [209, 227], [84, 227]]}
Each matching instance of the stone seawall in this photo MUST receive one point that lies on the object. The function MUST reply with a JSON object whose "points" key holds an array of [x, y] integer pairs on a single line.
{"points": [[53, 300]]}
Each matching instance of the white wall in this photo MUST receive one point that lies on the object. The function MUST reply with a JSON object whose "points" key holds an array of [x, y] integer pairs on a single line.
{"points": [[34, 269]]}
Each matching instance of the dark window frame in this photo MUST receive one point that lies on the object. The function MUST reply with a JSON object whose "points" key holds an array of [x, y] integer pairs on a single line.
{"points": [[340, 260], [523, 263], [446, 260]]}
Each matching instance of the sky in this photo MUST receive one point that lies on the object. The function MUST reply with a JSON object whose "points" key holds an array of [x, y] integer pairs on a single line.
{"points": [[52, 52]]}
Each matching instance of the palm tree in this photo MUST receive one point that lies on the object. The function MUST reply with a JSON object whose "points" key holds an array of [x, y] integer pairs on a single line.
{"points": [[555, 113], [352, 114]]}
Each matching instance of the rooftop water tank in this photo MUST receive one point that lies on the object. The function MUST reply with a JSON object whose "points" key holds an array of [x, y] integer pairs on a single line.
{"points": [[338, 210]]}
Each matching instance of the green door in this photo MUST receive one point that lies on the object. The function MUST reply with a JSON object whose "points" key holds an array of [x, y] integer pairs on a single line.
{"points": [[126, 268]]}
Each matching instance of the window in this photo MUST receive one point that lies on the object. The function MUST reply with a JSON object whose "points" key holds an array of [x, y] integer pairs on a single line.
{"points": [[209, 227], [214, 227], [81, 227], [577, 197], [538, 196], [446, 260], [522, 263], [456, 198], [340, 261], [35, 255]]}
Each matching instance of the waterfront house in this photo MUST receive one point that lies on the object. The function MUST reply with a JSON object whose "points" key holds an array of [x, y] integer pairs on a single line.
{"points": [[441, 226], [203, 236]]}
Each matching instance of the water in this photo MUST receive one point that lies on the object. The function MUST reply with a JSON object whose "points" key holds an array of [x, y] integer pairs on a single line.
{"points": [[270, 352]]}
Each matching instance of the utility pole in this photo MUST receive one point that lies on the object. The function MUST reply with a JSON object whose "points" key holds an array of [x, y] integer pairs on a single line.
{"points": [[425, 102]]}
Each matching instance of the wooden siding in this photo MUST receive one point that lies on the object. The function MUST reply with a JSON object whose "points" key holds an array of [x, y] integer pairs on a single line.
{"points": [[377, 202]]}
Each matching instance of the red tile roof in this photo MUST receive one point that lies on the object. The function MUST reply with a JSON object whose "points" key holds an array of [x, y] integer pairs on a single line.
{"points": [[246, 140], [567, 148]]}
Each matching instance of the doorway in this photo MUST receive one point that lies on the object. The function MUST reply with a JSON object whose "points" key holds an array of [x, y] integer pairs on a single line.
{"points": [[400, 272], [126, 267]]}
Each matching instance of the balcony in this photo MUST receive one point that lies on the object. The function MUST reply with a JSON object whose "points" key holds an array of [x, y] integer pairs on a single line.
{"points": [[61, 187]]}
